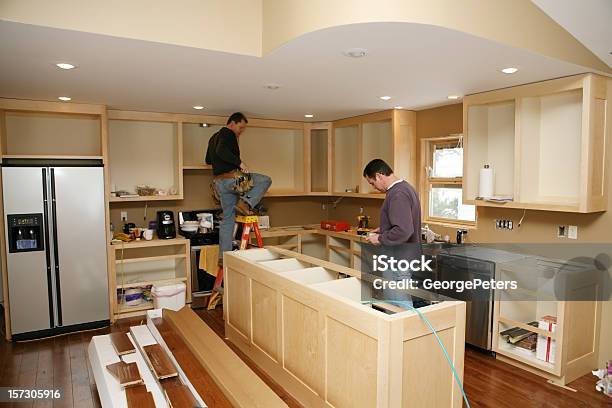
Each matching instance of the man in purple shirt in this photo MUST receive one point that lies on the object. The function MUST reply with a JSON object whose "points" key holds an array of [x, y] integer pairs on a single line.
{"points": [[400, 215], [399, 233]]}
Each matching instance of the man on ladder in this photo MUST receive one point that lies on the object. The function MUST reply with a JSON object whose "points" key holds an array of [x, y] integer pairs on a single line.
{"points": [[238, 190]]}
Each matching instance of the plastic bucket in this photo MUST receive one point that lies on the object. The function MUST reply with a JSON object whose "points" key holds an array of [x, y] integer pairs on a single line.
{"points": [[169, 296]]}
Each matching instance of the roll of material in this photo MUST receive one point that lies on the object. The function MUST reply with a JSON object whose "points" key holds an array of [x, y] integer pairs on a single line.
{"points": [[485, 189]]}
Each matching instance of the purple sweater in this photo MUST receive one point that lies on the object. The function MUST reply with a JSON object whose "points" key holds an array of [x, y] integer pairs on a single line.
{"points": [[400, 216]]}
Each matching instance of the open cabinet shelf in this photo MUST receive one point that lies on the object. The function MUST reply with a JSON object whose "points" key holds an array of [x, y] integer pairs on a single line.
{"points": [[545, 291], [145, 153], [546, 143], [388, 135], [50, 135], [142, 264]]}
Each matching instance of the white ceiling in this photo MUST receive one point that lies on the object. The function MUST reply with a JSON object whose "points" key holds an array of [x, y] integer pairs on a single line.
{"points": [[589, 21], [417, 65]]}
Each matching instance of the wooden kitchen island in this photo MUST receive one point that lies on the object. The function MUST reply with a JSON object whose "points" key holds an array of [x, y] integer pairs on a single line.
{"points": [[303, 321]]}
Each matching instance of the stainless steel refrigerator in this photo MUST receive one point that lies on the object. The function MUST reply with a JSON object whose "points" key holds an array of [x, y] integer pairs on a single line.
{"points": [[56, 246]]}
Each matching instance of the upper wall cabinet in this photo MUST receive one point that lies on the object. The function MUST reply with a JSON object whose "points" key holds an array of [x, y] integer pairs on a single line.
{"points": [[145, 149], [270, 147], [36, 129], [388, 135], [546, 144], [195, 144], [318, 136], [276, 149]]}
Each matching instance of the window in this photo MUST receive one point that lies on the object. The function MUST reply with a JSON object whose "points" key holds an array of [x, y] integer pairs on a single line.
{"points": [[442, 182]]}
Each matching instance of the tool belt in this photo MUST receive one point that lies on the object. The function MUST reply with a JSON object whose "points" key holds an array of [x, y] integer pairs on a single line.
{"points": [[243, 182]]}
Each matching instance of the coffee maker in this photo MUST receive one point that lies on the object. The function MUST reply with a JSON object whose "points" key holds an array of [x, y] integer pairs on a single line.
{"points": [[165, 225]]}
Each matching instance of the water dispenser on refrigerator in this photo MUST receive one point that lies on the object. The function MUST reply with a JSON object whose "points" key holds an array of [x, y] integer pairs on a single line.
{"points": [[25, 233]]}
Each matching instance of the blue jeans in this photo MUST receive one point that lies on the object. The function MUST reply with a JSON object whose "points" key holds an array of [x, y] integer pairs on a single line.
{"points": [[229, 198]]}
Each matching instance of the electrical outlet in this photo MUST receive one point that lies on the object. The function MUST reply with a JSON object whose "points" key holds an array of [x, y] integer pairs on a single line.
{"points": [[123, 215], [504, 224], [561, 231], [360, 210], [323, 206], [572, 232]]}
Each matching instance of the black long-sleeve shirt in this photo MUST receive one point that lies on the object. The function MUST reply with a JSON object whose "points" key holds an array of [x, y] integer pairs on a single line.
{"points": [[223, 151]]}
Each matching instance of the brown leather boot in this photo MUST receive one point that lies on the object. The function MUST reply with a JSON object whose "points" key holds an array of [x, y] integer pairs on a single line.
{"points": [[243, 208]]}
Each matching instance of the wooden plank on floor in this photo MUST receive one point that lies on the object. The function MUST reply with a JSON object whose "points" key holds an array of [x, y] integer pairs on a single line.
{"points": [[177, 394], [126, 373], [159, 362], [122, 343], [139, 397], [203, 383], [239, 383]]}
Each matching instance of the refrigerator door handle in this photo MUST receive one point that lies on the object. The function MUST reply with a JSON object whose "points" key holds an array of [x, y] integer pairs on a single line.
{"points": [[46, 244], [58, 292]]}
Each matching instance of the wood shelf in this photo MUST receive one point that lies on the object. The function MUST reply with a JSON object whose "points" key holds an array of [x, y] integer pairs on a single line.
{"points": [[150, 259], [152, 243], [516, 323], [145, 198], [521, 206], [123, 308], [360, 195], [196, 167], [284, 193], [511, 351], [50, 156]]}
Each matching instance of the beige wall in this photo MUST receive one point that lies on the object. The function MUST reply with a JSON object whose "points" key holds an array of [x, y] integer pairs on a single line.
{"points": [[232, 26], [257, 27]]}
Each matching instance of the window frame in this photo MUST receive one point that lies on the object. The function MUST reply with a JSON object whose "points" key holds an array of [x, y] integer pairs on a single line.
{"points": [[428, 146]]}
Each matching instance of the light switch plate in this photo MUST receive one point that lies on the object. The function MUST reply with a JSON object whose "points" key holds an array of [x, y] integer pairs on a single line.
{"points": [[572, 232]]}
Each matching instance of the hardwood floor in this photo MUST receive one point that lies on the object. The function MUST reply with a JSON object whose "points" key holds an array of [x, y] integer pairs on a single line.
{"points": [[62, 362]]}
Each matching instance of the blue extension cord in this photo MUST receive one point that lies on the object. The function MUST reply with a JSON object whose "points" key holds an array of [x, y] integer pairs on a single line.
{"points": [[433, 331]]}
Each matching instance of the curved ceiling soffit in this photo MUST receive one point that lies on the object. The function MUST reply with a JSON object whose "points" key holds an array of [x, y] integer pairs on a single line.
{"points": [[572, 51]]}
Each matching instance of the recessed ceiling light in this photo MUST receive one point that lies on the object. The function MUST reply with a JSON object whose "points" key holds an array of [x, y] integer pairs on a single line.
{"points": [[385, 98], [356, 52], [272, 87], [198, 107], [309, 115], [398, 107], [453, 97], [64, 98], [65, 65], [509, 70]]}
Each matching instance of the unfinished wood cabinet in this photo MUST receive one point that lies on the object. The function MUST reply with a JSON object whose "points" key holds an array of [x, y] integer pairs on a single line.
{"points": [[546, 143], [145, 151], [388, 135], [564, 290], [320, 160], [277, 151], [140, 264], [195, 144], [46, 130], [320, 339]]}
